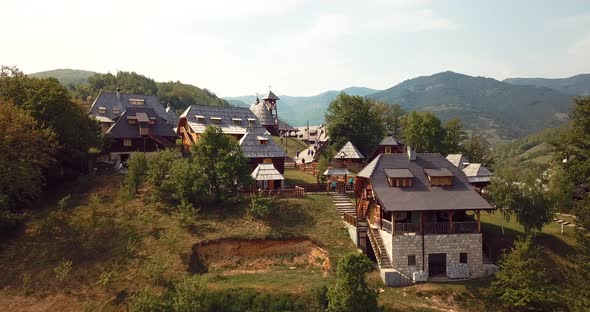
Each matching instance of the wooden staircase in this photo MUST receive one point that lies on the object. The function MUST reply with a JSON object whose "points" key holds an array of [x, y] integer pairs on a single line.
{"points": [[343, 204], [379, 248]]}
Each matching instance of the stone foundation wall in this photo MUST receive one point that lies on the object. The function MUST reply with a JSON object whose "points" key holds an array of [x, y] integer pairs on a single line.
{"points": [[450, 244]]}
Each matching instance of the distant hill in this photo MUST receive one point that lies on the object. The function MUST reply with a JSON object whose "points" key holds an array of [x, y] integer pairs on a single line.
{"points": [[298, 110], [535, 147], [576, 85], [499, 110], [65, 76]]}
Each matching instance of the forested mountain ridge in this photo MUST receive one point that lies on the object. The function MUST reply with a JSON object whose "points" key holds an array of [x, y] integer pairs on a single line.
{"points": [[575, 85], [536, 147], [498, 110], [85, 85], [298, 110]]}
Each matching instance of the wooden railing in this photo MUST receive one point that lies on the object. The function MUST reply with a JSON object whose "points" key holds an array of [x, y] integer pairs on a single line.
{"points": [[386, 226], [374, 243], [283, 193], [436, 228], [314, 187], [404, 228], [350, 219], [289, 165], [465, 227]]}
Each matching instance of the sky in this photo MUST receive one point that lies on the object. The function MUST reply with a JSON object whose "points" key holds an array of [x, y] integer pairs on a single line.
{"points": [[299, 47]]}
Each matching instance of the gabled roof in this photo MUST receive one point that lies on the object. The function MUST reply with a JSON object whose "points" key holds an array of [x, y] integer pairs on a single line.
{"points": [[477, 173], [108, 101], [283, 125], [349, 151], [389, 141], [121, 129], [270, 96], [266, 172], [457, 160], [337, 172], [421, 195], [251, 147], [228, 114], [263, 114], [172, 117]]}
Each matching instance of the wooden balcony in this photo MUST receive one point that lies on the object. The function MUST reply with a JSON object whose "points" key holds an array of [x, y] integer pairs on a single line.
{"points": [[432, 228]]}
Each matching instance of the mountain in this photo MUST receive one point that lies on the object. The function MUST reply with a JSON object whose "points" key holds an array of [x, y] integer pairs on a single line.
{"points": [[65, 76], [534, 148], [576, 85], [298, 110], [498, 110]]}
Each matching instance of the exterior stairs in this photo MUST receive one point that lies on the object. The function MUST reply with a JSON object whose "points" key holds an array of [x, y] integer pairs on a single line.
{"points": [[343, 204], [379, 248]]}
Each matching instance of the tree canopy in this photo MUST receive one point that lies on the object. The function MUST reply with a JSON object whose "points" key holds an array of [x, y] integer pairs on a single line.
{"points": [[355, 119], [351, 293], [422, 131]]}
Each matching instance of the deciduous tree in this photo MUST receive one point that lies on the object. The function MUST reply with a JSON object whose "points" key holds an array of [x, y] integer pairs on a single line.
{"points": [[454, 135], [351, 293], [422, 131]]}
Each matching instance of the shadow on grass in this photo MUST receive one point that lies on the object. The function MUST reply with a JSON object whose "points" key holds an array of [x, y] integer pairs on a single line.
{"points": [[494, 242], [290, 219]]}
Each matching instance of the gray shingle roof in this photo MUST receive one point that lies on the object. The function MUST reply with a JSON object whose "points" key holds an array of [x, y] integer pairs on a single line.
{"points": [[109, 101], [477, 173], [270, 96], [263, 114], [227, 123], [368, 170], [283, 125], [389, 141], [349, 151], [266, 172], [251, 147], [457, 160], [122, 129], [172, 117], [337, 172], [421, 196]]}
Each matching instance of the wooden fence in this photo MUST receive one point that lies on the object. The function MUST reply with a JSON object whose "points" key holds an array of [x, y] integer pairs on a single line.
{"points": [[314, 187], [282, 193], [349, 218]]}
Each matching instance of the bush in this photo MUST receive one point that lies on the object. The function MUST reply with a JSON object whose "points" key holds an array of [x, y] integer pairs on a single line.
{"points": [[8, 220], [260, 206], [351, 292], [189, 295], [186, 214], [62, 271], [137, 167], [107, 279], [155, 268], [64, 202], [147, 301]]}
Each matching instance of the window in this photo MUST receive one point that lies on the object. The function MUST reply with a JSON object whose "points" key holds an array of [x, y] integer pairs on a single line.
{"points": [[263, 142], [200, 118], [116, 111], [463, 257], [152, 120], [216, 120], [411, 260], [102, 110], [237, 121], [132, 121], [136, 101], [251, 122], [126, 142], [388, 150]]}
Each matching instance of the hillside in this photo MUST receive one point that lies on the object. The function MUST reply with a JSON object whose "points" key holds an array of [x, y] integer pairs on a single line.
{"points": [[66, 76], [298, 110], [535, 147], [575, 85], [499, 110]]}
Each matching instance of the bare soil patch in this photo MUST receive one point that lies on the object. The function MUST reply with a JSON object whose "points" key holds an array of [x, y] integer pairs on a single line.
{"points": [[238, 256]]}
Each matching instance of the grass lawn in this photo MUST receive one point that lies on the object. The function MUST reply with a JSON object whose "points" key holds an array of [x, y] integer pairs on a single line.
{"points": [[297, 177], [292, 145]]}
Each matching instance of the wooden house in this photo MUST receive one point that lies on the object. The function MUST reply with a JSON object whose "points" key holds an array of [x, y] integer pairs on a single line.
{"points": [[266, 111], [134, 123], [267, 177], [458, 160], [478, 175], [389, 145], [257, 144], [419, 216], [348, 155]]}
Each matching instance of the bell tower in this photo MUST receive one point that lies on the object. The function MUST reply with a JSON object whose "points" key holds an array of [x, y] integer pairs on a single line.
{"points": [[270, 100]]}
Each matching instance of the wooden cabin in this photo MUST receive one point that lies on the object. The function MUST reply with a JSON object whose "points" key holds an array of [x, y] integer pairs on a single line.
{"points": [[389, 145], [348, 156], [420, 217]]}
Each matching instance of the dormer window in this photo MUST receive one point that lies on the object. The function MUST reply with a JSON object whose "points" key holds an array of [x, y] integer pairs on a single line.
{"points": [[116, 111], [439, 177], [388, 150], [216, 120], [237, 121], [136, 101], [402, 177], [251, 122], [262, 140], [102, 110], [200, 118], [152, 120]]}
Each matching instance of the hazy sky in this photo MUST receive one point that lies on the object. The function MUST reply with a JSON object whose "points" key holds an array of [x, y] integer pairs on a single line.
{"points": [[300, 47]]}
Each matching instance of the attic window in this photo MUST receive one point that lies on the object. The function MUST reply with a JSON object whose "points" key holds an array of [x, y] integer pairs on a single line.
{"points": [[136, 101], [262, 140], [251, 121], [152, 120], [439, 176], [200, 118], [402, 177], [237, 121], [388, 150], [116, 111], [102, 110], [216, 120], [132, 120]]}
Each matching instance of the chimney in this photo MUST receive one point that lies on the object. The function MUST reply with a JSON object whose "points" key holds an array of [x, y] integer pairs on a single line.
{"points": [[118, 95], [411, 153]]}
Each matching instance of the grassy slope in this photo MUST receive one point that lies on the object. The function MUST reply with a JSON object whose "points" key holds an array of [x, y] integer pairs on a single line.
{"points": [[292, 145], [65, 76], [297, 177]]}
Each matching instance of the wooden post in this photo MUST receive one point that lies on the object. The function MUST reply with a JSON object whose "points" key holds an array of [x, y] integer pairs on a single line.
{"points": [[421, 222], [393, 214], [451, 213], [478, 221]]}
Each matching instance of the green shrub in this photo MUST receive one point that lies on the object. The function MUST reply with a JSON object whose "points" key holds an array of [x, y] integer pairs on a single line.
{"points": [[186, 214], [107, 279], [62, 271], [136, 172], [155, 268], [189, 295], [8, 220], [147, 301], [260, 206], [351, 292], [64, 202]]}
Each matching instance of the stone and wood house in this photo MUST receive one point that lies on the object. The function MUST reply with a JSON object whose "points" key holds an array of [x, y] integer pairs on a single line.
{"points": [[420, 218]]}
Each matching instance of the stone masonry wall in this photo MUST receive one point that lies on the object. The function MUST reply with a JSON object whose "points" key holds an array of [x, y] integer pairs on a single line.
{"points": [[449, 244]]}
